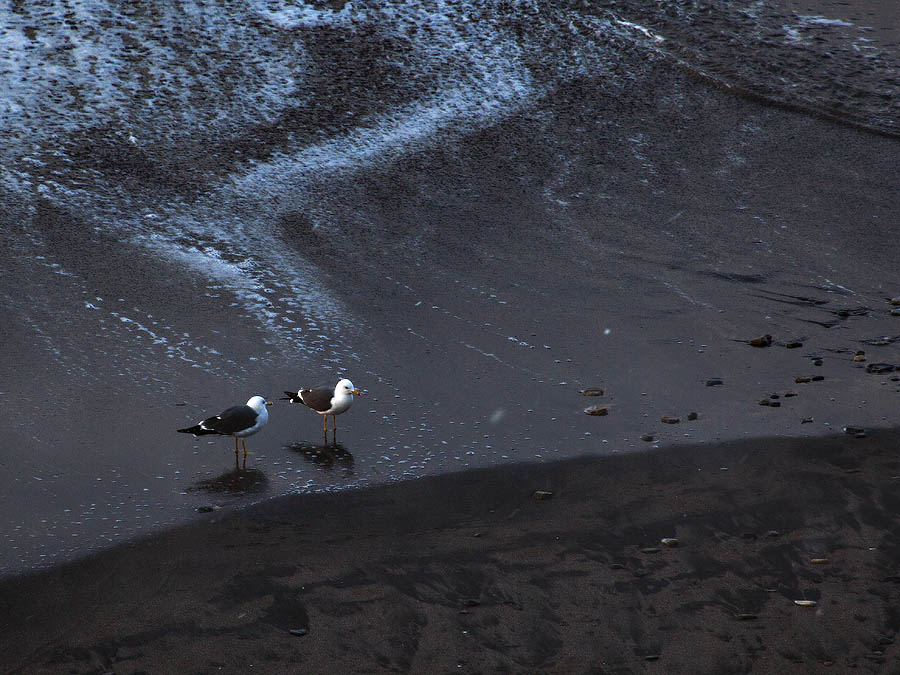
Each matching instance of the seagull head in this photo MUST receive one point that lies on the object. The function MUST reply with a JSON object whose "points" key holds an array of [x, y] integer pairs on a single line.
{"points": [[258, 403], [346, 387]]}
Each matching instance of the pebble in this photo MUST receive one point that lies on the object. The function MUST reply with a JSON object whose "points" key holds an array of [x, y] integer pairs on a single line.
{"points": [[818, 378], [298, 631], [807, 420], [819, 561], [671, 542], [790, 394], [669, 420], [805, 603], [715, 382], [793, 345], [770, 403], [205, 509], [880, 368], [859, 356], [692, 416], [471, 602], [895, 311], [595, 391], [802, 380], [746, 617], [895, 301], [541, 495], [763, 341], [773, 533], [650, 549], [648, 437], [598, 410], [854, 431]]}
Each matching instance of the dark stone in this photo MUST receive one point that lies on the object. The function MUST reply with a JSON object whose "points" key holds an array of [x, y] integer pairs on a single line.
{"points": [[692, 416], [715, 382], [299, 632]]}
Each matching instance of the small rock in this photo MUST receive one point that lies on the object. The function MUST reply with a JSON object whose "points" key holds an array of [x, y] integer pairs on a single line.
{"points": [[793, 345], [745, 617], [692, 416], [650, 549], [817, 362], [671, 542], [859, 356], [853, 430], [807, 420], [648, 437], [802, 380], [592, 392], [790, 394], [715, 382], [774, 396], [805, 603], [669, 420], [895, 301], [617, 566], [773, 533], [651, 657], [299, 632], [895, 311], [763, 341], [818, 378], [819, 561], [597, 410], [541, 495], [205, 509], [471, 602]]}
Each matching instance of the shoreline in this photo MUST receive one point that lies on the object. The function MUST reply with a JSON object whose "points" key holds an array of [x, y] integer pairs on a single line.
{"points": [[470, 572]]}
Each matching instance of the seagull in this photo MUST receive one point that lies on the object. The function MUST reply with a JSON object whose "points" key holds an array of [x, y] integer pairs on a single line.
{"points": [[326, 401], [238, 421]]}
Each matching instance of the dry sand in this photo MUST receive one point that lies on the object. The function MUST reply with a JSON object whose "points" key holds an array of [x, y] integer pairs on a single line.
{"points": [[471, 573]]}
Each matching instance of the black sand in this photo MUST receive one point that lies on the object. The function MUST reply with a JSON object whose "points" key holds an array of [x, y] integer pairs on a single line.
{"points": [[471, 573]]}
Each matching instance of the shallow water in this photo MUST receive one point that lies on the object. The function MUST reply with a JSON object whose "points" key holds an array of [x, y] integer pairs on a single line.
{"points": [[472, 210]]}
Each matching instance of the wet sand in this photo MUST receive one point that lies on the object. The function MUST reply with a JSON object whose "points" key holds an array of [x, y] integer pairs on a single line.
{"points": [[469, 572]]}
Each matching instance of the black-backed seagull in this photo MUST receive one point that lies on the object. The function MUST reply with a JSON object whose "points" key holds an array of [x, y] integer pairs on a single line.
{"points": [[325, 400], [238, 421]]}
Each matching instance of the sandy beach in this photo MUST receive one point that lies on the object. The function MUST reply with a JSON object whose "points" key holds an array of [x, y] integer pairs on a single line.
{"points": [[688, 560]]}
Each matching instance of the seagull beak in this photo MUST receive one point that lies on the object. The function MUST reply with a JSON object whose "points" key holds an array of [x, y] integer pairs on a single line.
{"points": [[356, 391], [268, 403]]}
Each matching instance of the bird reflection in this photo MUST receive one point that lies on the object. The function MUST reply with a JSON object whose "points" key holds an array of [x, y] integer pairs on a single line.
{"points": [[327, 455], [240, 480]]}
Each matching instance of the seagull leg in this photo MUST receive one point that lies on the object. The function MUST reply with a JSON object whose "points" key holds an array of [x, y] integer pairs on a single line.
{"points": [[235, 447], [244, 446], [325, 424]]}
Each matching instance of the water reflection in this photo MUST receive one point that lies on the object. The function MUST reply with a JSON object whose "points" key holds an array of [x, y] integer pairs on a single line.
{"points": [[327, 455], [240, 480]]}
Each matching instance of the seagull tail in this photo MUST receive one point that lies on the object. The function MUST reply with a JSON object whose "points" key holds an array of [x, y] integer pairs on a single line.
{"points": [[292, 397], [197, 430]]}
